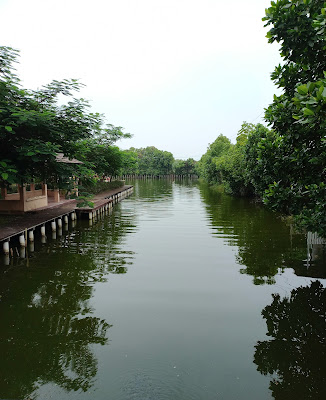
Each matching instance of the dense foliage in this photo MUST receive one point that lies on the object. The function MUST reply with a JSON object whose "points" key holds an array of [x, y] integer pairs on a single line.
{"points": [[235, 165], [298, 115], [34, 128], [207, 165]]}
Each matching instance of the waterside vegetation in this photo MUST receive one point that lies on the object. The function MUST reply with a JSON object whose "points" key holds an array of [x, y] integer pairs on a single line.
{"points": [[284, 164]]}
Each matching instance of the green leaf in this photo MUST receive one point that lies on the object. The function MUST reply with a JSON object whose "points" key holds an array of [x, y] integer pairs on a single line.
{"points": [[302, 89], [312, 101], [310, 86], [4, 176], [307, 111], [8, 128]]}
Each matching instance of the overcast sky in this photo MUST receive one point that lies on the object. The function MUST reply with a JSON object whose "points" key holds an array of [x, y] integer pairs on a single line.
{"points": [[174, 73]]}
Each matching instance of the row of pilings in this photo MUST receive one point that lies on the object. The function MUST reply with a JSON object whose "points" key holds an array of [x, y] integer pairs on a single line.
{"points": [[17, 245], [20, 244]]}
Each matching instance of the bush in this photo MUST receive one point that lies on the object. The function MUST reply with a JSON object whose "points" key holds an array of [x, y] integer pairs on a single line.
{"points": [[99, 186]]}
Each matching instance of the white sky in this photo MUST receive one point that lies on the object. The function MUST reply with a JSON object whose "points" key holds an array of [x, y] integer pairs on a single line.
{"points": [[174, 73]]}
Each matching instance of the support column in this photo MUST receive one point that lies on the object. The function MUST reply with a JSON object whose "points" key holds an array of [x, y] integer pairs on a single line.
{"points": [[44, 189], [6, 247], [31, 235], [3, 193], [56, 194]]}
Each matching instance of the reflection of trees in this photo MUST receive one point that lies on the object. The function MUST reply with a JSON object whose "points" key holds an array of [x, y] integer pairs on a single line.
{"points": [[47, 326], [316, 261], [296, 354], [153, 190], [103, 242], [264, 242], [47, 329]]}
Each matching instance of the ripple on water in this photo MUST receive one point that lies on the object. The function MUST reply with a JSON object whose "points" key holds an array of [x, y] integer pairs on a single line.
{"points": [[165, 381]]}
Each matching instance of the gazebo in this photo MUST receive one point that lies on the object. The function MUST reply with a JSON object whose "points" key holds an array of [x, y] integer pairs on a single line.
{"points": [[28, 198]]}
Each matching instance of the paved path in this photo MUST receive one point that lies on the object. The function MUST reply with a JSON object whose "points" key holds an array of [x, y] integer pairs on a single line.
{"points": [[12, 225]]}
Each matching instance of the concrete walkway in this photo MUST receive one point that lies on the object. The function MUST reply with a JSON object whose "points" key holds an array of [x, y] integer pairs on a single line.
{"points": [[12, 225]]}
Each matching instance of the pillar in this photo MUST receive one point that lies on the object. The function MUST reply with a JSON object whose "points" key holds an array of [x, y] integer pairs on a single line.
{"points": [[53, 226], [6, 247], [56, 194], [31, 235], [3, 193], [22, 240]]}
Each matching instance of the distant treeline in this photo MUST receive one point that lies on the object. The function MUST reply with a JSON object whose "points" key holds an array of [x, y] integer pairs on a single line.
{"points": [[153, 162]]}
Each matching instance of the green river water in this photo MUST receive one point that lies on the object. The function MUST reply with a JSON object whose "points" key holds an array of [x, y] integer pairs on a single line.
{"points": [[169, 297]]}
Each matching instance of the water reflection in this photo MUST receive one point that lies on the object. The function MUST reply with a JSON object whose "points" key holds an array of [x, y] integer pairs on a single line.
{"points": [[265, 244], [296, 353], [316, 257], [48, 327], [152, 190]]}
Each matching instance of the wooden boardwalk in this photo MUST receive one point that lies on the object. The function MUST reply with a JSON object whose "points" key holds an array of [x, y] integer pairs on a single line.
{"points": [[15, 225], [103, 199]]}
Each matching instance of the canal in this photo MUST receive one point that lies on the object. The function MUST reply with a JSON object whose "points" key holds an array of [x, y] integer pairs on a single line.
{"points": [[181, 293]]}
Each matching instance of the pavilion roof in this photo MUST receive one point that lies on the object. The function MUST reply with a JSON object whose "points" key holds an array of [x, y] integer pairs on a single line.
{"points": [[60, 157]]}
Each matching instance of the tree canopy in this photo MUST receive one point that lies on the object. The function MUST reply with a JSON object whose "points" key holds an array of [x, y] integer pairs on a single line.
{"points": [[35, 126], [298, 115]]}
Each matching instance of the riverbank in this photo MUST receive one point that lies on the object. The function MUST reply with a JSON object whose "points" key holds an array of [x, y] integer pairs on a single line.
{"points": [[14, 225]]}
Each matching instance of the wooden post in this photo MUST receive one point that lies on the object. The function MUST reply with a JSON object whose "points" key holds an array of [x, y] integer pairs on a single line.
{"points": [[22, 196]]}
